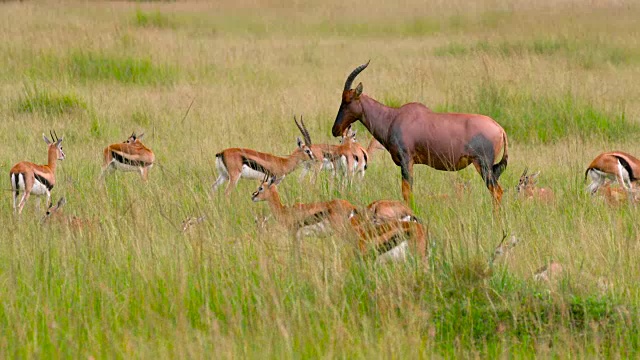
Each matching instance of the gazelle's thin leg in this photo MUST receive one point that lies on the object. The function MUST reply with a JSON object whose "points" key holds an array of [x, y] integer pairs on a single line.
{"points": [[23, 201], [221, 180]]}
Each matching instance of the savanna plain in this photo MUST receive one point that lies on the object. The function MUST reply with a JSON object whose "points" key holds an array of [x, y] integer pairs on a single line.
{"points": [[198, 77]]}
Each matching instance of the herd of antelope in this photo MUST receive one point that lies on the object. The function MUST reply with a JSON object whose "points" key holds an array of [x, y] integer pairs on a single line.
{"points": [[411, 133]]}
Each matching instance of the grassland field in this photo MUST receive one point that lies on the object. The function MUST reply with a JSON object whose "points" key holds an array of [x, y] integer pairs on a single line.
{"points": [[198, 77]]}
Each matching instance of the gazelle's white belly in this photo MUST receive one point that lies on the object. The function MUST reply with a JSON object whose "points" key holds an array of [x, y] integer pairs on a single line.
{"points": [[396, 254], [321, 228], [124, 167], [249, 173], [39, 188]]}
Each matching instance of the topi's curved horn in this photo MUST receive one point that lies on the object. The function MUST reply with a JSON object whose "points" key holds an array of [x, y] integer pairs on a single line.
{"points": [[303, 130], [354, 73]]}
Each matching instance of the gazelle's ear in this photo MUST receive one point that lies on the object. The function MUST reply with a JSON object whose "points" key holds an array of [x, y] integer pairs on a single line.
{"points": [[534, 175], [140, 136], [276, 180], [60, 140], [358, 90], [300, 143], [62, 201], [46, 139]]}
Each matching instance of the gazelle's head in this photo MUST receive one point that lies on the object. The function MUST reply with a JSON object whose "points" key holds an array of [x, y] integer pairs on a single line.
{"points": [[350, 108], [348, 136], [54, 210], [527, 181], [266, 188], [304, 146], [55, 144], [134, 138]]}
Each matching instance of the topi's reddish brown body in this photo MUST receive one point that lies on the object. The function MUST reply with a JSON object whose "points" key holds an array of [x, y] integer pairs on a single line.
{"points": [[413, 134]]}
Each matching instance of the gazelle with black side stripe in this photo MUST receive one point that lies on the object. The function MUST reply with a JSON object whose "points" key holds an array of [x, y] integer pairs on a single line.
{"points": [[36, 179], [234, 164], [304, 219], [354, 155], [390, 240], [614, 165], [131, 155]]}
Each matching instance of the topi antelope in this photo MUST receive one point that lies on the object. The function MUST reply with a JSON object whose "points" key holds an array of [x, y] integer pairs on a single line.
{"points": [[413, 134], [235, 163], [304, 219], [527, 187], [615, 165], [36, 179], [131, 155]]}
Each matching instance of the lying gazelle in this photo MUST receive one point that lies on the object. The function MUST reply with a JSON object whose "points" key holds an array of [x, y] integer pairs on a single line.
{"points": [[304, 219], [615, 165], [55, 214], [392, 239], [528, 190], [235, 163], [618, 195], [36, 179], [131, 155], [381, 211]]}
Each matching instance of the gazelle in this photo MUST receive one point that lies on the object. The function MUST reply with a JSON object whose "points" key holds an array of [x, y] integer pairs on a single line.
{"points": [[615, 165], [36, 179], [55, 214], [304, 219], [354, 153], [382, 211], [413, 134], [391, 240], [235, 163], [618, 195], [528, 189], [131, 155]]}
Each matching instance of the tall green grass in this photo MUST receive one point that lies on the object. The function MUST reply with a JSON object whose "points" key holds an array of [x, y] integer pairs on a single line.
{"points": [[542, 118], [130, 284]]}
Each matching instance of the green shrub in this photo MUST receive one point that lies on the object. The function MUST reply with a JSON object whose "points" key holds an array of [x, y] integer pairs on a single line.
{"points": [[36, 100], [153, 19], [126, 69]]}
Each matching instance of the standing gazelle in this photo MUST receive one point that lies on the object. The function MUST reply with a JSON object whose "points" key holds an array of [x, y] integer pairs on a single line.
{"points": [[234, 164], [353, 154], [131, 155], [614, 165], [36, 179]]}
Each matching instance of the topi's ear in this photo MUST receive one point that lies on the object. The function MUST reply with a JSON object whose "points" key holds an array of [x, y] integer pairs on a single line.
{"points": [[46, 139], [358, 90]]}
